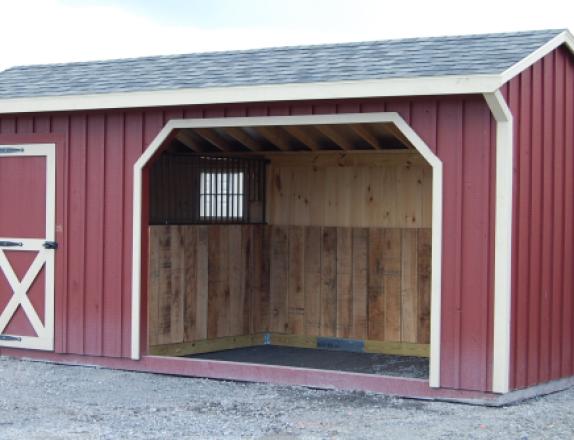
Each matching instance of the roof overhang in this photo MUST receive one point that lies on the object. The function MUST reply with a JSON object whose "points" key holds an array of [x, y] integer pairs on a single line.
{"points": [[416, 86]]}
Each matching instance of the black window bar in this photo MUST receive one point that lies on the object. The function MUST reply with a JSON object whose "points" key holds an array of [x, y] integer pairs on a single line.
{"points": [[207, 189]]}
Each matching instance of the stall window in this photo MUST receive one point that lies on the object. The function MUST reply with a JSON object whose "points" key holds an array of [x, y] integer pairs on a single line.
{"points": [[221, 195]]}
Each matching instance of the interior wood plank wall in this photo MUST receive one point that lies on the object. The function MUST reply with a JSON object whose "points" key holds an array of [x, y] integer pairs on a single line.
{"points": [[218, 281], [349, 189]]}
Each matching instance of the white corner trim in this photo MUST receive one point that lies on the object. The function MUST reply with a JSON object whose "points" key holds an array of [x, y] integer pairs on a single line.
{"points": [[563, 38], [502, 241], [433, 85], [389, 117]]}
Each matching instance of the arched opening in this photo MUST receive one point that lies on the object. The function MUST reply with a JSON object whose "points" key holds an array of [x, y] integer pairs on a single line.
{"points": [[309, 241]]}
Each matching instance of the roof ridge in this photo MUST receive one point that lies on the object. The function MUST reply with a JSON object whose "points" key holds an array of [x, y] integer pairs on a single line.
{"points": [[285, 48]]}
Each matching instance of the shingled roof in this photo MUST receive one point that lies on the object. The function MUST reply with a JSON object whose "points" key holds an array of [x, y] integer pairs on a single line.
{"points": [[405, 58]]}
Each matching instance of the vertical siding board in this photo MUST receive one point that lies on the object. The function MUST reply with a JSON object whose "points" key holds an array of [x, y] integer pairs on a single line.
{"points": [[77, 235], [450, 150], [535, 227], [278, 109], [133, 141], [558, 217], [545, 266], [475, 263], [61, 126], [568, 309], [521, 236], [402, 107], [114, 231], [42, 124], [568, 274], [25, 125], [8, 125], [95, 244], [372, 106], [424, 122]]}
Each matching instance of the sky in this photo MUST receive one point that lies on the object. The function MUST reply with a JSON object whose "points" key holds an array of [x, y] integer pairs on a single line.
{"points": [[53, 31]]}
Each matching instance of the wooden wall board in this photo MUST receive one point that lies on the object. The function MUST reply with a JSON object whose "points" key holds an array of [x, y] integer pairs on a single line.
{"points": [[217, 281], [349, 190]]}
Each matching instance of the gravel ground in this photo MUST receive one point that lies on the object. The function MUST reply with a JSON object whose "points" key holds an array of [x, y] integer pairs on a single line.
{"points": [[46, 401]]}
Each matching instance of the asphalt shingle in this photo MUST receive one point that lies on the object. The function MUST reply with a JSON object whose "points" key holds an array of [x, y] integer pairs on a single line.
{"points": [[405, 58]]}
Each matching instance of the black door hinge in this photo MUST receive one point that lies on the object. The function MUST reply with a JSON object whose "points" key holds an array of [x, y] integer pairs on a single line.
{"points": [[11, 244], [8, 150], [50, 245], [10, 338]]}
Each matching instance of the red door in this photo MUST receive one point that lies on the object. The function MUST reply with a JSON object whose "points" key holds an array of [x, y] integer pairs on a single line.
{"points": [[27, 227]]}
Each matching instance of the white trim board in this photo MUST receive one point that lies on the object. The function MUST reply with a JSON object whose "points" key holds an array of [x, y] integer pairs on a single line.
{"points": [[502, 242], [416, 86], [386, 117], [439, 85]]}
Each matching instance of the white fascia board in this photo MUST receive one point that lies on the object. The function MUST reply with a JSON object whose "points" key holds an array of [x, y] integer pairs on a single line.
{"points": [[416, 86], [562, 38]]}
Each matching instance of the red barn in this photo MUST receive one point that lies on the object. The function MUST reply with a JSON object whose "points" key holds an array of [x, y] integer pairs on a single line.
{"points": [[393, 216]]}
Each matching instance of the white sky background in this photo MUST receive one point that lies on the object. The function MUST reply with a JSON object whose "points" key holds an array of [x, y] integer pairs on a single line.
{"points": [[48, 31]]}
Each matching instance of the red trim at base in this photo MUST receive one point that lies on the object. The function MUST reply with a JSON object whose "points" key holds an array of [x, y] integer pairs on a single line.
{"points": [[396, 386]]}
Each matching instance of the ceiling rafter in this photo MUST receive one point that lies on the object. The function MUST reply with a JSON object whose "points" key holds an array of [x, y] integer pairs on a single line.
{"points": [[243, 138], [214, 139], [275, 136], [398, 134], [188, 140], [336, 136], [367, 135], [303, 134]]}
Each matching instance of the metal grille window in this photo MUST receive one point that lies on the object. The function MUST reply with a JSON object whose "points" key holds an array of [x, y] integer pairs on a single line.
{"points": [[221, 195], [203, 188]]}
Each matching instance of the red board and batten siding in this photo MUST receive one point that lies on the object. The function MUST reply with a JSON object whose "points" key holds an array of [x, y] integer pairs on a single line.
{"points": [[96, 153], [542, 102]]}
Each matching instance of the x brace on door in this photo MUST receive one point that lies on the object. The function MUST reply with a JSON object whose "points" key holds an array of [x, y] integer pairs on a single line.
{"points": [[20, 293]]}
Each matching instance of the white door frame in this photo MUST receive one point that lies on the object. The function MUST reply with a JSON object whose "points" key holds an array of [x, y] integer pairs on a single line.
{"points": [[44, 259], [349, 118]]}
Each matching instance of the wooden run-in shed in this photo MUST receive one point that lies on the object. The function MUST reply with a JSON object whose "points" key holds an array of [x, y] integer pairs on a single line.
{"points": [[393, 216]]}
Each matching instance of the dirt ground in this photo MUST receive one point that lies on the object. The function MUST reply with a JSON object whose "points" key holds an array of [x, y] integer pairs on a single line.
{"points": [[46, 401]]}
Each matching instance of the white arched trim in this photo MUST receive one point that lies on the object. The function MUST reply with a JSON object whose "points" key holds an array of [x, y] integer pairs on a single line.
{"points": [[353, 118]]}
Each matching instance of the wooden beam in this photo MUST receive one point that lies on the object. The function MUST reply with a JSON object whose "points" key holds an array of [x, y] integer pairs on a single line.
{"points": [[397, 348], [303, 135], [188, 140], [213, 138], [358, 345], [276, 136], [367, 135], [394, 131], [242, 137], [206, 345], [336, 136]]}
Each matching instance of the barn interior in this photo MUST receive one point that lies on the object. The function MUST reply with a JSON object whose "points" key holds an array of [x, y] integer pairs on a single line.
{"points": [[299, 245]]}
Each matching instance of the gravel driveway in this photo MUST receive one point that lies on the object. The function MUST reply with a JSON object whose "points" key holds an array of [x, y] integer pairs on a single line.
{"points": [[45, 401]]}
